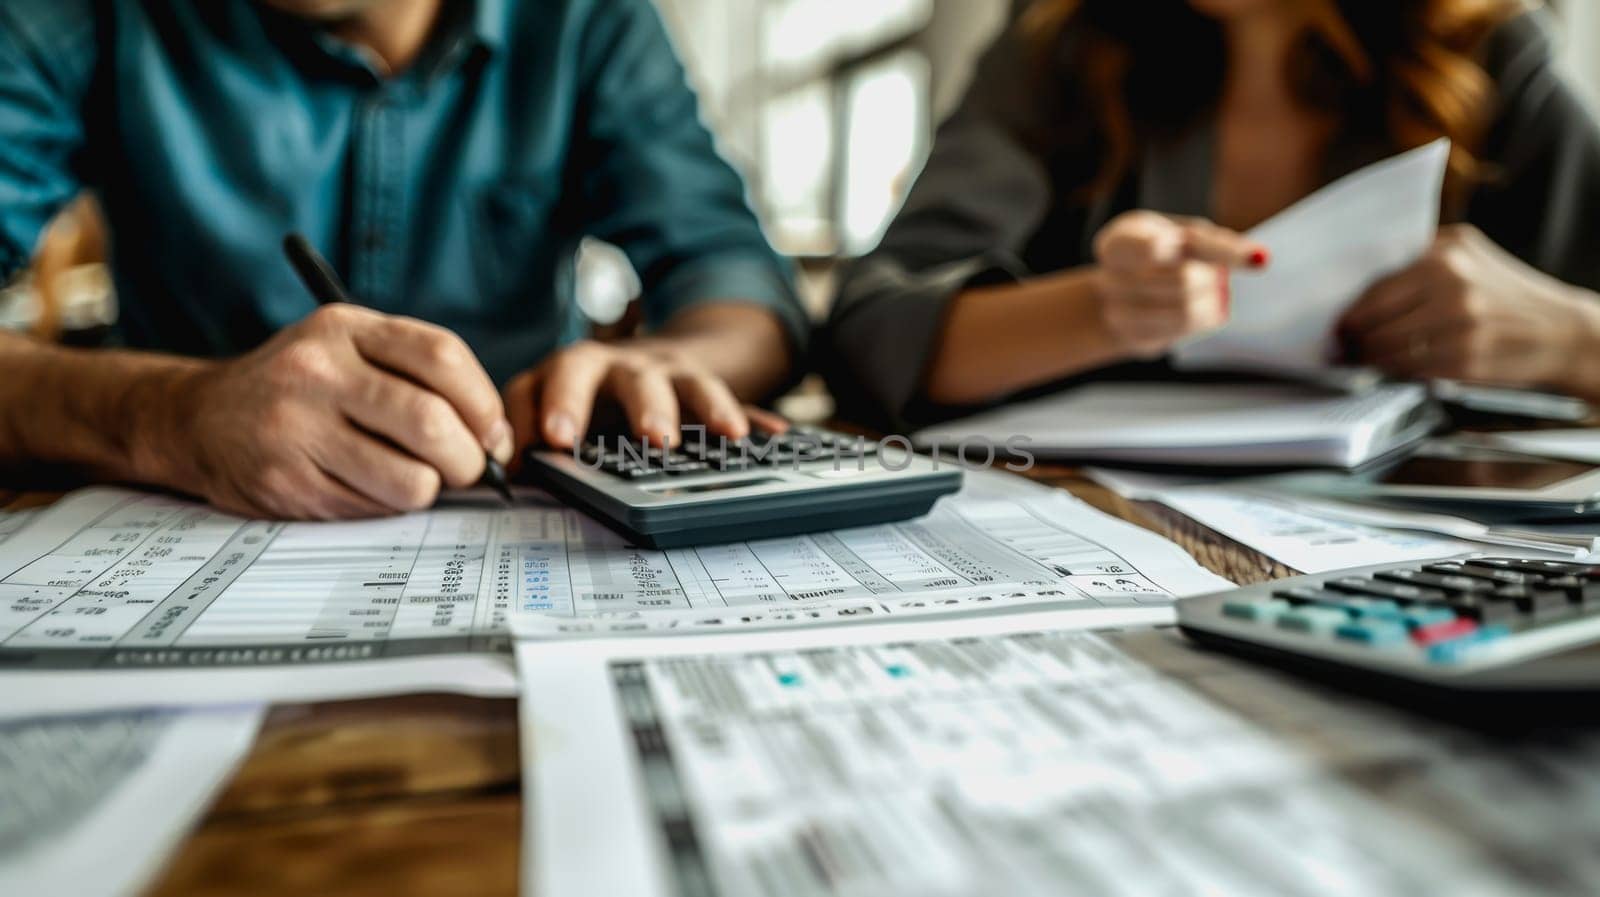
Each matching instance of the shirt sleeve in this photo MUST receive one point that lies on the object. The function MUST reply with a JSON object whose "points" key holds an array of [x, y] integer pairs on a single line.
{"points": [[1541, 196], [654, 184], [46, 55], [980, 199]]}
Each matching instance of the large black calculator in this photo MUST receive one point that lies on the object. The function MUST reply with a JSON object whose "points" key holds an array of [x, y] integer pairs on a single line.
{"points": [[711, 490]]}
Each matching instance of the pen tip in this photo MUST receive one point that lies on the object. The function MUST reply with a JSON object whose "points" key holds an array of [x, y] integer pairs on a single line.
{"points": [[494, 476]]}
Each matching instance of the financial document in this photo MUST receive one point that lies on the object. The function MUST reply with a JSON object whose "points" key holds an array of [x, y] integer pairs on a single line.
{"points": [[1305, 540], [1326, 251], [127, 580], [939, 761], [91, 806]]}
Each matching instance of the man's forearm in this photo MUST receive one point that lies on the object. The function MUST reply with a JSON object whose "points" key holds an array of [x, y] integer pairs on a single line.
{"points": [[743, 343], [109, 413]]}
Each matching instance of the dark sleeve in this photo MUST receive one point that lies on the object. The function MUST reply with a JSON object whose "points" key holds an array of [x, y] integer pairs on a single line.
{"points": [[1542, 198], [47, 52], [654, 185], [968, 219]]}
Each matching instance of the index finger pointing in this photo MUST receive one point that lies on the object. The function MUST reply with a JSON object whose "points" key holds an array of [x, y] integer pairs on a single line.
{"points": [[1207, 242]]}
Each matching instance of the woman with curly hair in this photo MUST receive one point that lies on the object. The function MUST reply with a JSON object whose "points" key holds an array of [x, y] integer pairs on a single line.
{"points": [[1081, 211]]}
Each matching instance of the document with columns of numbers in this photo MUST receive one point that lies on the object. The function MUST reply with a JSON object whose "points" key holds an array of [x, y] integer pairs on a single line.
{"points": [[1005, 756], [112, 579]]}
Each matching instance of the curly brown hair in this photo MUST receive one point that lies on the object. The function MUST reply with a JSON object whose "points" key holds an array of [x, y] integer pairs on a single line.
{"points": [[1406, 71]]}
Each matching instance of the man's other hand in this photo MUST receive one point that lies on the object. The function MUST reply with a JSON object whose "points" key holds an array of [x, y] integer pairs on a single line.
{"points": [[656, 383]]}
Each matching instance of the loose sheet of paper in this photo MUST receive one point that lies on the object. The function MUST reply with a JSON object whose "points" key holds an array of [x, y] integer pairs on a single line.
{"points": [[91, 806], [126, 580], [1326, 251], [1575, 541], [1305, 541], [934, 760], [1040, 550], [13, 521]]}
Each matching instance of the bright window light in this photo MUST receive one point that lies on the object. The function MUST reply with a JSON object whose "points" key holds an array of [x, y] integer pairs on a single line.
{"points": [[887, 114]]}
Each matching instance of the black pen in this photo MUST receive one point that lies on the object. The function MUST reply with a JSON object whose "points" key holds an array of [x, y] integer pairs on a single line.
{"points": [[325, 287]]}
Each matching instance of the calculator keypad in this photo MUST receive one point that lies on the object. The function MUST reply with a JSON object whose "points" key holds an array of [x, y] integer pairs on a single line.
{"points": [[1444, 610]]}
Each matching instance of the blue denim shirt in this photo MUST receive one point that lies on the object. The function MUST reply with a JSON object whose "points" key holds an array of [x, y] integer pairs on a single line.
{"points": [[455, 192]]}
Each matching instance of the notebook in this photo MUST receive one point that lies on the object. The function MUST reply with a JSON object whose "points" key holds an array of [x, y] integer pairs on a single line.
{"points": [[1257, 424]]}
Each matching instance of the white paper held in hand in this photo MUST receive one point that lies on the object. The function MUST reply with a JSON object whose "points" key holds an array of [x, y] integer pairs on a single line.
{"points": [[1327, 250]]}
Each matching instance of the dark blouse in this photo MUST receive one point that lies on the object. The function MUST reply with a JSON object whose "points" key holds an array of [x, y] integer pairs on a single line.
{"points": [[990, 208]]}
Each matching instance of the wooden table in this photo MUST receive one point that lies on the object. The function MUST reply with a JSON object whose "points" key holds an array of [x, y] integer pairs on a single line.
{"points": [[421, 795]]}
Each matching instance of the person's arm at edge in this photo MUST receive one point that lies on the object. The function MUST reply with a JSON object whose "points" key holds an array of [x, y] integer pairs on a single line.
{"points": [[115, 415], [106, 412]]}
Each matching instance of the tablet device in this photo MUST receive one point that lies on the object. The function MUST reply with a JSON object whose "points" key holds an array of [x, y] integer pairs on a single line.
{"points": [[1478, 481]]}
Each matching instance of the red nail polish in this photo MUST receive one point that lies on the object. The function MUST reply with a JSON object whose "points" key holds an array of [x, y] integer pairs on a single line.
{"points": [[1259, 258]]}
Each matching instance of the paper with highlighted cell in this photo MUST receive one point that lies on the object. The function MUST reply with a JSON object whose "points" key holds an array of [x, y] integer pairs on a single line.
{"points": [[1327, 250], [114, 598], [1009, 756]]}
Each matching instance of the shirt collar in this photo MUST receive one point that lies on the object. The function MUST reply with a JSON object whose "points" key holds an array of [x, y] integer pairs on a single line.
{"points": [[462, 35]]}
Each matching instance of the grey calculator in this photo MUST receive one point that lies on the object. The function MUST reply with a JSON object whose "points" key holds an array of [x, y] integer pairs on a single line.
{"points": [[711, 490], [1468, 632]]}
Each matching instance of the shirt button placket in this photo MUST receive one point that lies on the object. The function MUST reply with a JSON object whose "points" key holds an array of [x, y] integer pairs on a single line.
{"points": [[379, 201]]}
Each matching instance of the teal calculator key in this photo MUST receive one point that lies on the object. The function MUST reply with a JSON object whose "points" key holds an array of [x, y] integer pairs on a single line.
{"points": [[1422, 617], [1374, 632], [1462, 648], [1313, 619], [1255, 610]]}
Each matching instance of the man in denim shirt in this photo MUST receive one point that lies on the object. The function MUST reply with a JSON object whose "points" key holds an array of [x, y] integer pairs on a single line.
{"points": [[447, 157]]}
